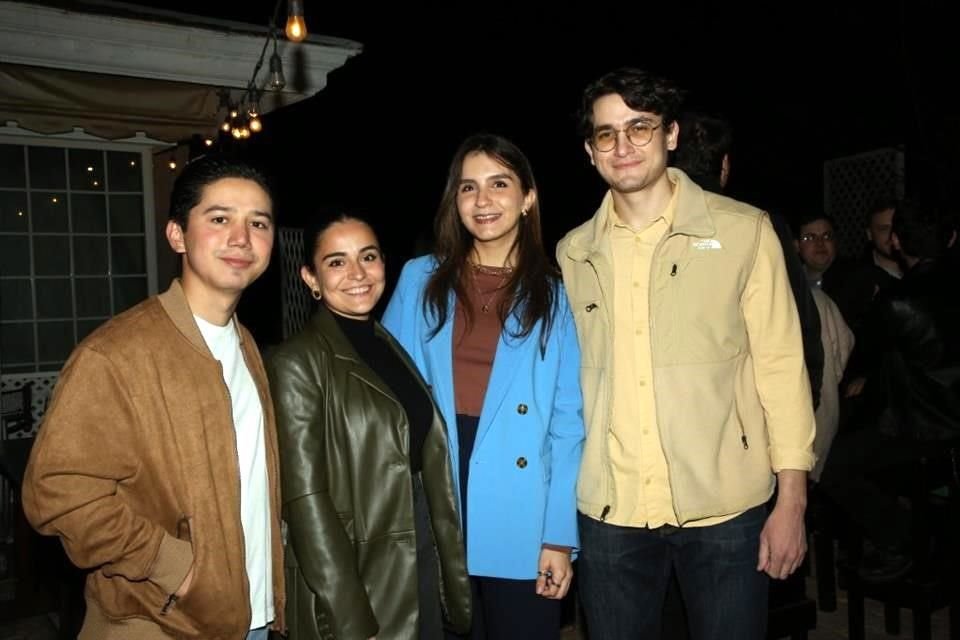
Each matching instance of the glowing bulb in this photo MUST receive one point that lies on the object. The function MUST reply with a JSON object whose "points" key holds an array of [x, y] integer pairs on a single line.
{"points": [[225, 127], [133, 163], [89, 168], [20, 213], [54, 200], [296, 26], [208, 142], [173, 165], [236, 133], [255, 125], [96, 184]]}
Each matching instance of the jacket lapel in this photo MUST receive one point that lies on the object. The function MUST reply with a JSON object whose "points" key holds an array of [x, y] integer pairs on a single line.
{"points": [[504, 371]]}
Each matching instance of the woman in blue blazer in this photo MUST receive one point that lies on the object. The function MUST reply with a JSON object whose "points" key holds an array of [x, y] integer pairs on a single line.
{"points": [[486, 319]]}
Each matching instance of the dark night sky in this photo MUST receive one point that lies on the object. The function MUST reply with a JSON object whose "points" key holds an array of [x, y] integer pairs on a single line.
{"points": [[802, 83]]}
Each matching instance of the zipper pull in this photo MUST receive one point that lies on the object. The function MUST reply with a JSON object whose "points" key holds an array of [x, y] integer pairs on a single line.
{"points": [[172, 600], [743, 439], [673, 271], [590, 307], [603, 514]]}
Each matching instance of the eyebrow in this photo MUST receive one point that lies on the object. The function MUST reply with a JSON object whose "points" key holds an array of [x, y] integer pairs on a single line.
{"points": [[496, 176], [343, 254], [221, 207], [627, 123]]}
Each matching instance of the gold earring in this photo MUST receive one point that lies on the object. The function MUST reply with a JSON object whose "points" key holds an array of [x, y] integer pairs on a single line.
{"points": [[316, 294], [523, 213]]}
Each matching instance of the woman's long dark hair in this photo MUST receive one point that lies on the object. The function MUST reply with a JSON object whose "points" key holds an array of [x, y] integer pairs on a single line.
{"points": [[531, 287]]}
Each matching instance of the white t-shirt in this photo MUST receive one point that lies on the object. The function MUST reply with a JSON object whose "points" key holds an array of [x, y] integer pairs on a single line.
{"points": [[224, 344]]}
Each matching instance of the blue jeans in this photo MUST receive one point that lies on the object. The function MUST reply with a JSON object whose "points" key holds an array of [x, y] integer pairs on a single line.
{"points": [[258, 634], [625, 571]]}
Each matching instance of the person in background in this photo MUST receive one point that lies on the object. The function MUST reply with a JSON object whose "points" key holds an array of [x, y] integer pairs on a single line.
{"points": [[374, 542], [486, 319]]}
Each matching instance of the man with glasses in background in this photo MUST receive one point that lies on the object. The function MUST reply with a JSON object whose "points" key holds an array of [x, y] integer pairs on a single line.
{"points": [[816, 245], [696, 400]]}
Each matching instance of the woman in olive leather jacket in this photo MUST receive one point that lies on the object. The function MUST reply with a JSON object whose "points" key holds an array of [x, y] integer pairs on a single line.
{"points": [[373, 548]]}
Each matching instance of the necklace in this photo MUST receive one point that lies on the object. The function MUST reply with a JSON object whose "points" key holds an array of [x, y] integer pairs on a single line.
{"points": [[478, 270]]}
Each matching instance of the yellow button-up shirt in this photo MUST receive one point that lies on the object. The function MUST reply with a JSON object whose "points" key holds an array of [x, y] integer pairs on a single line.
{"points": [[636, 454]]}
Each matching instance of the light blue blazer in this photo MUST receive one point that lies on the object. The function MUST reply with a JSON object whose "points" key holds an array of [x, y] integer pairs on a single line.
{"points": [[526, 457]]}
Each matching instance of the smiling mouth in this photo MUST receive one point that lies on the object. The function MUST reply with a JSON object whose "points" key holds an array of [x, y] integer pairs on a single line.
{"points": [[358, 291], [486, 218]]}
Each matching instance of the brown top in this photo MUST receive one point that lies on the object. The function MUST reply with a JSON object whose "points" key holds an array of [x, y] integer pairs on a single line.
{"points": [[475, 345]]}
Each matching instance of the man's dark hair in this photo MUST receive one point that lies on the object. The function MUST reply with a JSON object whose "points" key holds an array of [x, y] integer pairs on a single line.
{"points": [[917, 231], [640, 90], [704, 140], [805, 217], [203, 171], [879, 206]]}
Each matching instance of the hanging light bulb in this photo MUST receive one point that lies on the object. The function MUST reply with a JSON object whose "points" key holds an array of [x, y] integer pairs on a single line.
{"points": [[255, 125], [296, 26], [277, 81]]}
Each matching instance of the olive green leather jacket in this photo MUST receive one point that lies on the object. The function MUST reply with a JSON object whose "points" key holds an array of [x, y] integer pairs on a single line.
{"points": [[351, 566]]}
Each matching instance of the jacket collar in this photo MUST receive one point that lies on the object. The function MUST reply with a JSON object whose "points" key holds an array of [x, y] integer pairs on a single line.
{"points": [[324, 322], [692, 218], [174, 303]]}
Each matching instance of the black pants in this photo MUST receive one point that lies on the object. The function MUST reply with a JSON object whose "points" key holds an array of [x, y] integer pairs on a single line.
{"points": [[502, 609], [428, 573], [511, 610]]}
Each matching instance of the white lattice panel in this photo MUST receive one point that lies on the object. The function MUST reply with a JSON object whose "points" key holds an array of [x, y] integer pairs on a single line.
{"points": [[296, 299], [853, 183], [42, 386]]}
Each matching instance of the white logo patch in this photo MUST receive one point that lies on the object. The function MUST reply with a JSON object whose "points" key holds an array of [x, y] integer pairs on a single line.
{"points": [[706, 244]]}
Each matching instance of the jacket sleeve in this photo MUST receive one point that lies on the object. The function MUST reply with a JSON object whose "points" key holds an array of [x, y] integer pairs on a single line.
{"points": [[85, 451], [324, 552], [773, 328], [566, 433]]}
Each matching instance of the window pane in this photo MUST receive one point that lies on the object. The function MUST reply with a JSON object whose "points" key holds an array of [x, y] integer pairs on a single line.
{"points": [[17, 299], [93, 297], [52, 255], [90, 255], [124, 171], [128, 292], [86, 327], [49, 211], [54, 340], [89, 213], [12, 170], [47, 170], [129, 255], [86, 170], [13, 210], [54, 298], [14, 256], [16, 343], [126, 214]]}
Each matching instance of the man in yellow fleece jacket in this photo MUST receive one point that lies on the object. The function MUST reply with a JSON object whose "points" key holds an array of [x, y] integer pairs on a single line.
{"points": [[696, 400]]}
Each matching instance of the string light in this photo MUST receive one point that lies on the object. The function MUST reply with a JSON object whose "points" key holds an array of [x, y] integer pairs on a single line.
{"points": [[243, 116]]}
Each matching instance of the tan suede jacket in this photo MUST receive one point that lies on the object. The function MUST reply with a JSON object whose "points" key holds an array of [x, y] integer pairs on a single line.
{"points": [[135, 468]]}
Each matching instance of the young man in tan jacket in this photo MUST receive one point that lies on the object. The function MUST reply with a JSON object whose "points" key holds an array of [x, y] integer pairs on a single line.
{"points": [[157, 460], [696, 400]]}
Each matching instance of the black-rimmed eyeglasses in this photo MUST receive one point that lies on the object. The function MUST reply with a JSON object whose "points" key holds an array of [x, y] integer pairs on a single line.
{"points": [[639, 133]]}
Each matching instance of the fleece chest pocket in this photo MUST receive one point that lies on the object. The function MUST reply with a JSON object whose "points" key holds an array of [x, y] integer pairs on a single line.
{"points": [[590, 316]]}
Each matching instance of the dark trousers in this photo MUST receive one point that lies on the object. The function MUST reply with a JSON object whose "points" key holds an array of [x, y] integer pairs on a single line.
{"points": [[511, 610], [625, 572], [502, 609], [428, 572]]}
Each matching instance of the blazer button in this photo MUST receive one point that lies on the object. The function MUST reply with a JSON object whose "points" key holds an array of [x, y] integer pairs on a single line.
{"points": [[522, 409], [521, 462]]}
